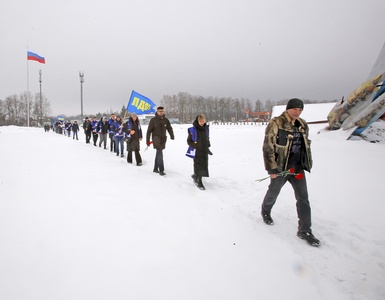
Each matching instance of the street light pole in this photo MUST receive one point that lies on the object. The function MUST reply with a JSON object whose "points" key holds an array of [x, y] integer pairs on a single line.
{"points": [[41, 101], [81, 75]]}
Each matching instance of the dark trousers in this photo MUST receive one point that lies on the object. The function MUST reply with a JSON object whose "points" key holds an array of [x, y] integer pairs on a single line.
{"points": [[95, 136], [301, 195], [112, 142], [88, 137], [159, 165], [138, 158]]}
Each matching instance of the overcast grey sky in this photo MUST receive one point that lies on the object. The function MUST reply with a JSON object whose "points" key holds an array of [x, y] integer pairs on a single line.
{"points": [[267, 49]]}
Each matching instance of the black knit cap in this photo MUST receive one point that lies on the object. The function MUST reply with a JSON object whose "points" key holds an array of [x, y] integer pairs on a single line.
{"points": [[294, 103]]}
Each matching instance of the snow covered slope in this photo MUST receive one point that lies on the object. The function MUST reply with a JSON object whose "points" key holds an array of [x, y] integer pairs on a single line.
{"points": [[77, 222]]}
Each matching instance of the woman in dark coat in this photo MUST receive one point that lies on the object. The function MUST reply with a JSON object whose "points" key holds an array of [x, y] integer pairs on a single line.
{"points": [[199, 139], [134, 135], [87, 129]]}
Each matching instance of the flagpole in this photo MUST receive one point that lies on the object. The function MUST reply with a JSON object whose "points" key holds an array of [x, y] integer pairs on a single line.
{"points": [[27, 91]]}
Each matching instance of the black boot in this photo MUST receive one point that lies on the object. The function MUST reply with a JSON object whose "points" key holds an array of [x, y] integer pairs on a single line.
{"points": [[267, 218], [195, 179], [200, 183], [309, 238]]}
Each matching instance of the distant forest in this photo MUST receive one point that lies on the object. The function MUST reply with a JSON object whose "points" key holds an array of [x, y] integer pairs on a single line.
{"points": [[182, 107], [186, 107]]}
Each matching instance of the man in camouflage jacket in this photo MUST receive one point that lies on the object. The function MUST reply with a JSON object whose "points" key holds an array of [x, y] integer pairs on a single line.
{"points": [[287, 147]]}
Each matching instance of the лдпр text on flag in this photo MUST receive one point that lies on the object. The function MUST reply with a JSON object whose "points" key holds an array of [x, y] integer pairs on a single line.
{"points": [[140, 104]]}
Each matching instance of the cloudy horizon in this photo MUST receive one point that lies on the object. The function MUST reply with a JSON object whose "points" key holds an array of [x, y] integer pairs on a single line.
{"points": [[240, 49]]}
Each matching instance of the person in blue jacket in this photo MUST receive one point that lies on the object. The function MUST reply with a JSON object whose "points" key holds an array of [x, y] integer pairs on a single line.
{"points": [[198, 140], [95, 134], [111, 121], [133, 136], [68, 127], [117, 128]]}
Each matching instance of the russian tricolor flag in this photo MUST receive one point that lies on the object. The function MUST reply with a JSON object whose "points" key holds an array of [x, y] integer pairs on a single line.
{"points": [[36, 57]]}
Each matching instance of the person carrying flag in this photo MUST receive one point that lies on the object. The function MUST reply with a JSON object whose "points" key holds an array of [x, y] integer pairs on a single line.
{"points": [[134, 135]]}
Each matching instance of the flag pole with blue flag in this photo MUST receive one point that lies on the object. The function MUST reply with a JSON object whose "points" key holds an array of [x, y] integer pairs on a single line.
{"points": [[140, 104]]}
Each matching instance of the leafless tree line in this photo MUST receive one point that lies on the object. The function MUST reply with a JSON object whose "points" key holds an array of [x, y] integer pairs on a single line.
{"points": [[186, 107], [14, 109]]}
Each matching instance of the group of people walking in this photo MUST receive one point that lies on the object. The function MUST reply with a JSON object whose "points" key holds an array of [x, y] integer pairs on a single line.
{"points": [[118, 132], [286, 147], [130, 133], [65, 128]]}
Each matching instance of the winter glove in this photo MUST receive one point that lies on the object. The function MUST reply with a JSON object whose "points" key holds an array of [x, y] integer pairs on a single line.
{"points": [[209, 152]]}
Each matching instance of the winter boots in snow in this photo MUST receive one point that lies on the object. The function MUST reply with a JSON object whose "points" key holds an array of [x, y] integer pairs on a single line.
{"points": [[309, 238], [195, 179], [198, 181], [267, 218], [200, 184]]}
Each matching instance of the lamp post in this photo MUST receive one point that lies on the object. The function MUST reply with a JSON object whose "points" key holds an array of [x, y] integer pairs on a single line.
{"points": [[41, 101], [81, 75]]}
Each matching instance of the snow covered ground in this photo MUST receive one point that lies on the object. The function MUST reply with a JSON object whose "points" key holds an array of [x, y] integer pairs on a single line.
{"points": [[77, 222]]}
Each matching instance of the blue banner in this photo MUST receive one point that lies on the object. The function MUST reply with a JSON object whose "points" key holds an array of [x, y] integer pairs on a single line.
{"points": [[140, 104]]}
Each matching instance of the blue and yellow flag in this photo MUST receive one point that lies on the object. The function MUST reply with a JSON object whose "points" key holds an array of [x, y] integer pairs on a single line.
{"points": [[140, 104]]}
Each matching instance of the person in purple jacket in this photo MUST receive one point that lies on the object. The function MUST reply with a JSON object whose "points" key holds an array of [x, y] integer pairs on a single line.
{"points": [[67, 127], [94, 125], [117, 128], [111, 121]]}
